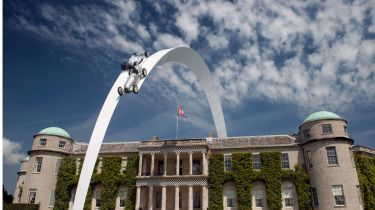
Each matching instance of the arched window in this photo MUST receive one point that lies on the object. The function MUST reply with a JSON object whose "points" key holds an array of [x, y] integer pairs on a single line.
{"points": [[230, 196], [259, 195], [289, 195]]}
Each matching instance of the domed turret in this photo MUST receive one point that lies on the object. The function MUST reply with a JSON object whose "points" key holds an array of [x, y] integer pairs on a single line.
{"points": [[55, 131]]}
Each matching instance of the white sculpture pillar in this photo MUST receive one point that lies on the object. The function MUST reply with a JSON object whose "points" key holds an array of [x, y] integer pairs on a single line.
{"points": [[138, 198], [163, 198], [204, 198], [190, 206], [150, 198], [178, 163], [204, 163], [140, 165], [152, 164], [165, 164], [190, 163], [177, 198]]}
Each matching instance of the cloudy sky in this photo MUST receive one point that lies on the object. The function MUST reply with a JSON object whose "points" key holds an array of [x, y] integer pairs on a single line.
{"points": [[275, 62]]}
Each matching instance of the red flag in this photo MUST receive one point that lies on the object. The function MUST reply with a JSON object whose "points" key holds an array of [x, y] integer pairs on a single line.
{"points": [[180, 112]]}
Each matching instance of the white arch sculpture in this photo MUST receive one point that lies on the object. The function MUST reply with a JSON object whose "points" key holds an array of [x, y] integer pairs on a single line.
{"points": [[182, 55]]}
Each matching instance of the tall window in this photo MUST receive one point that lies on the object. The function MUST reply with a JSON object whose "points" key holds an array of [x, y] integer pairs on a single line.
{"points": [[100, 165], [52, 198], [57, 166], [122, 196], [326, 128], [123, 165], [32, 196], [158, 200], [43, 142], [230, 198], [196, 167], [97, 199], [228, 162], [38, 164], [338, 194], [181, 167], [196, 200], [284, 160], [160, 167], [288, 197], [308, 159], [332, 155], [257, 164], [258, 195], [61, 144], [314, 195]]}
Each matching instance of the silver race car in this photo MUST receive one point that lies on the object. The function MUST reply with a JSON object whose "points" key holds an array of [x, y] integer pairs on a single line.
{"points": [[136, 73]]}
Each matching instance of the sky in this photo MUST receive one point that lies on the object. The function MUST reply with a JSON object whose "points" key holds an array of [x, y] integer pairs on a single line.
{"points": [[274, 63]]}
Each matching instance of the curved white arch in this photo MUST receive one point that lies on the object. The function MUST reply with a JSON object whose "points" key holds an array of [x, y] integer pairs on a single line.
{"points": [[182, 55]]}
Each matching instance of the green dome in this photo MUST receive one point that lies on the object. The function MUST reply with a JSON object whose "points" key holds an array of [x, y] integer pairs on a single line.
{"points": [[55, 131], [321, 115]]}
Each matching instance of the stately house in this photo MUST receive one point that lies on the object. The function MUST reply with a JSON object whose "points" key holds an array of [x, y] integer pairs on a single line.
{"points": [[173, 174]]}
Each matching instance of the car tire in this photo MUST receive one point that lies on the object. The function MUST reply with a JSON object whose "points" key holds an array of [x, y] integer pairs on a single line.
{"points": [[135, 89], [120, 91], [144, 72]]}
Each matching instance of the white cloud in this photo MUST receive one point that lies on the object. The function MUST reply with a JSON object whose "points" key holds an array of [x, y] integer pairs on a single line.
{"points": [[12, 152], [164, 41]]}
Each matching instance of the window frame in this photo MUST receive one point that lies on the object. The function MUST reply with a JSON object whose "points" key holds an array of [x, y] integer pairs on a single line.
{"points": [[31, 200], [57, 166], [44, 140], [230, 197], [52, 199], [258, 198], [285, 162], [314, 197], [122, 194], [255, 161], [327, 128], [63, 143], [331, 156], [37, 166], [306, 133], [97, 199], [341, 187], [228, 162]]}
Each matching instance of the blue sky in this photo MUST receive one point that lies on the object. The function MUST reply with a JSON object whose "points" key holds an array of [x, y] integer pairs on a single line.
{"points": [[275, 62]]}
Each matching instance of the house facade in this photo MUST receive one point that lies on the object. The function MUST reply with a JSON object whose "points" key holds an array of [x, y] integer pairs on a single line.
{"points": [[174, 174]]}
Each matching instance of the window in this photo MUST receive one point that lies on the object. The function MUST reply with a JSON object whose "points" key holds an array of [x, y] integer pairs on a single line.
{"points": [[180, 200], [306, 133], [346, 130], [43, 142], [196, 167], [38, 164], [32, 196], [326, 128], [158, 200], [57, 166], [180, 169], [288, 197], [338, 194], [258, 195], [52, 199], [331, 156], [314, 195], [61, 144], [308, 159], [284, 160], [122, 196], [160, 167], [230, 198], [196, 200], [97, 199], [123, 165], [100, 165], [228, 162], [257, 164]]}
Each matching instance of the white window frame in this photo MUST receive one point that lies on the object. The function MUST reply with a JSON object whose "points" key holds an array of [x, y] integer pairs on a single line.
{"points": [[230, 196], [37, 166], [285, 161], [32, 196], [52, 199], [97, 198], [338, 190], [331, 156], [228, 165], [258, 195], [63, 143], [124, 162], [287, 194], [122, 196], [57, 166], [44, 142], [258, 162]]}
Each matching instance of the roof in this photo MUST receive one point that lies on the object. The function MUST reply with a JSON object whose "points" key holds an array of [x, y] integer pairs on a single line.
{"points": [[55, 131], [321, 115]]}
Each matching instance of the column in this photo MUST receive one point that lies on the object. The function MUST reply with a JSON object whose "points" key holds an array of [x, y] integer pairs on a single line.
{"points": [[204, 198], [150, 198], [190, 163], [140, 165], [152, 164], [163, 198], [178, 164], [165, 164], [138, 198], [177, 198], [190, 206], [204, 163]]}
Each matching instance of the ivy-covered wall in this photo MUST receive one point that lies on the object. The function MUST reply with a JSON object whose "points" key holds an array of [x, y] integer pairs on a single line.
{"points": [[243, 176], [109, 177], [366, 174]]}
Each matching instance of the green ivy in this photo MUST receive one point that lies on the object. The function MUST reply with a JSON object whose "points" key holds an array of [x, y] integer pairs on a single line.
{"points": [[366, 175], [109, 177], [242, 170], [129, 179], [271, 172], [65, 182], [215, 181]]}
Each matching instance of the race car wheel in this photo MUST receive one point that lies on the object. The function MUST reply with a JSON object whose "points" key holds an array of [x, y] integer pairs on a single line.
{"points": [[126, 90], [144, 72], [135, 89], [147, 54], [120, 91]]}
